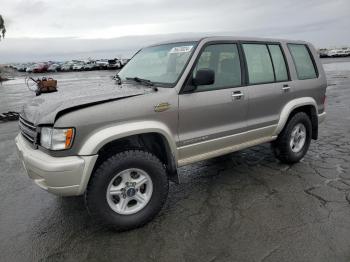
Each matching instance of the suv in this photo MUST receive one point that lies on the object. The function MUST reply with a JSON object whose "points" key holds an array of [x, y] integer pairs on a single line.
{"points": [[173, 104]]}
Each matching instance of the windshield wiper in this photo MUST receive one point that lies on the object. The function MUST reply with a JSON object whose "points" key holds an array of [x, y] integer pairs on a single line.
{"points": [[141, 80]]}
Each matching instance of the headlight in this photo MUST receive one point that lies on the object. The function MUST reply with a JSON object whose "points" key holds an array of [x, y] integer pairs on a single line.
{"points": [[56, 138]]}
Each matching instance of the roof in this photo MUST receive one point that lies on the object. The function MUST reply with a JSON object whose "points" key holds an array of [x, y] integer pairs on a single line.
{"points": [[228, 38]]}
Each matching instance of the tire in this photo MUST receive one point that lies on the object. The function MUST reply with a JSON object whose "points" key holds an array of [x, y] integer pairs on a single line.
{"points": [[112, 173], [283, 146]]}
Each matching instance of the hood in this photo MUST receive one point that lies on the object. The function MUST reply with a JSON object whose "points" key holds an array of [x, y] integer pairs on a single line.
{"points": [[44, 109]]}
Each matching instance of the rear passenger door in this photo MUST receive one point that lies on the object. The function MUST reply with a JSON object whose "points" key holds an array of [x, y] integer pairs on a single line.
{"points": [[268, 87]]}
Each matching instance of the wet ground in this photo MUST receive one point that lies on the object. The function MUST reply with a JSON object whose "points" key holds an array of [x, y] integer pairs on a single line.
{"points": [[242, 207]]}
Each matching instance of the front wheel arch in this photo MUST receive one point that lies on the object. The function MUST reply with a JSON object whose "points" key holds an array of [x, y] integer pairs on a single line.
{"points": [[154, 143]]}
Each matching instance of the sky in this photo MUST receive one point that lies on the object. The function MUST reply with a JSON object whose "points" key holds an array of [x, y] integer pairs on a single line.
{"points": [[39, 30]]}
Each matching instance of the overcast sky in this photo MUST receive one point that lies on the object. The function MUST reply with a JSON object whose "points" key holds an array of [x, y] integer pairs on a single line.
{"points": [[65, 29]]}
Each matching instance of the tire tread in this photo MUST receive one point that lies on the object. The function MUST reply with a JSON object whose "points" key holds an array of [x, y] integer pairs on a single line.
{"points": [[107, 166], [281, 147]]}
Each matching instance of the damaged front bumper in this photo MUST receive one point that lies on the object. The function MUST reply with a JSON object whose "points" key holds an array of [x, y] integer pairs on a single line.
{"points": [[65, 176]]}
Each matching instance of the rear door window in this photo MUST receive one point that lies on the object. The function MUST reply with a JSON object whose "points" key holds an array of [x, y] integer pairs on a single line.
{"points": [[260, 69], [279, 63], [303, 62]]}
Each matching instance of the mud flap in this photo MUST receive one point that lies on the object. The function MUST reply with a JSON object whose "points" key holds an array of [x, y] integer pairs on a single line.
{"points": [[172, 171]]}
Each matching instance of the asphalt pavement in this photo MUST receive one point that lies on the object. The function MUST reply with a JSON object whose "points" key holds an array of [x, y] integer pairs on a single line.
{"points": [[245, 206]]}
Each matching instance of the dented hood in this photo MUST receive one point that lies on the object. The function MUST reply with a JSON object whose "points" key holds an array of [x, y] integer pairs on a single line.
{"points": [[44, 109]]}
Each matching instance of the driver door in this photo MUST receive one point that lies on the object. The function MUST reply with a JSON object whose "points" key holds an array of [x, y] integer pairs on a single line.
{"points": [[212, 118]]}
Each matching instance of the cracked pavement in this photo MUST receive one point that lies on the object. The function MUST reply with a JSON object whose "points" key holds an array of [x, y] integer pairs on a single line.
{"points": [[245, 206]]}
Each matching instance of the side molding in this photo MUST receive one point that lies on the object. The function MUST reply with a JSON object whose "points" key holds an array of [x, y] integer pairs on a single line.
{"points": [[110, 133], [289, 107]]}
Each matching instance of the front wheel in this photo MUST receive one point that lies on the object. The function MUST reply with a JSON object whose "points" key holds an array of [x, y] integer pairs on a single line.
{"points": [[127, 190], [294, 140]]}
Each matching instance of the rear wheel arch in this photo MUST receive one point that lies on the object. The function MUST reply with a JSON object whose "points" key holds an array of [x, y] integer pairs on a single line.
{"points": [[310, 110], [307, 105], [293, 142]]}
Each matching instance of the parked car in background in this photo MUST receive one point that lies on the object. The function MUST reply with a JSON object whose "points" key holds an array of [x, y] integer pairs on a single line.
{"points": [[114, 64], [30, 69], [124, 61], [67, 67], [102, 64], [343, 52], [40, 68], [20, 67], [78, 66], [91, 65], [338, 53], [323, 53], [54, 68], [74, 65]]}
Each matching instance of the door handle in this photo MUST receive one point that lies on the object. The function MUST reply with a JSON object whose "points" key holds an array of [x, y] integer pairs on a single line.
{"points": [[237, 95], [285, 87]]}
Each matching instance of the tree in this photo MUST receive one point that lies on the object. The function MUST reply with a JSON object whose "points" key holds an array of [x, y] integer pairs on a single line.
{"points": [[2, 32], [2, 27]]}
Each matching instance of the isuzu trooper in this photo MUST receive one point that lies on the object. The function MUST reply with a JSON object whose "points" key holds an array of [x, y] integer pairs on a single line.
{"points": [[173, 104]]}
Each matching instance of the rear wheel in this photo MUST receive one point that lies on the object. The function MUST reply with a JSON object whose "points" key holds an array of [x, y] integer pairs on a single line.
{"points": [[294, 140], [127, 190]]}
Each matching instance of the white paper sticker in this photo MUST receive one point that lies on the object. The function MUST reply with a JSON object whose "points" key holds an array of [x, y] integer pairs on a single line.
{"points": [[181, 49]]}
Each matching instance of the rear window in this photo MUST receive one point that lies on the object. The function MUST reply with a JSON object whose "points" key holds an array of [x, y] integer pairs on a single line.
{"points": [[303, 62]]}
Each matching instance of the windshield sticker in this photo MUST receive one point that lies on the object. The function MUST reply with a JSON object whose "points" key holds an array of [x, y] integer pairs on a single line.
{"points": [[181, 49]]}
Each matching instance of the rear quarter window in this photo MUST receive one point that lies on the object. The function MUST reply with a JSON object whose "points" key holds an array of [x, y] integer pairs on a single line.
{"points": [[303, 61], [279, 64]]}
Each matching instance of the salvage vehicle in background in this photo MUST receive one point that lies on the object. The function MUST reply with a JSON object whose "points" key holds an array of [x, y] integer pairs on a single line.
{"points": [[74, 65], [114, 64], [173, 104], [78, 66], [40, 68], [21, 68], [123, 61], [54, 68], [67, 67], [102, 64], [88, 66], [338, 53], [29, 69]]}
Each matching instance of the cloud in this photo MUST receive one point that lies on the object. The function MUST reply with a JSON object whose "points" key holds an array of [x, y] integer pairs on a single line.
{"points": [[35, 49], [50, 28]]}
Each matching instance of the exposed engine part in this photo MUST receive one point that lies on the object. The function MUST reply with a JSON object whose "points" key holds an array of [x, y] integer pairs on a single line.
{"points": [[43, 85]]}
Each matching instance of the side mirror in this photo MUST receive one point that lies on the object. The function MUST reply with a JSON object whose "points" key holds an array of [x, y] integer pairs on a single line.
{"points": [[203, 77]]}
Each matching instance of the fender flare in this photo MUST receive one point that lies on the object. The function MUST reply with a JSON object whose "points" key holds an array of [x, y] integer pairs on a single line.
{"points": [[289, 107], [111, 133]]}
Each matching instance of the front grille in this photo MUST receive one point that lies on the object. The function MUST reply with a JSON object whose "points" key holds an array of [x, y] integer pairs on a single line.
{"points": [[28, 129]]}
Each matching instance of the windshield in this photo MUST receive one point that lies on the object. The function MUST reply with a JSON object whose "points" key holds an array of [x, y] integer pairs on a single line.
{"points": [[162, 64]]}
